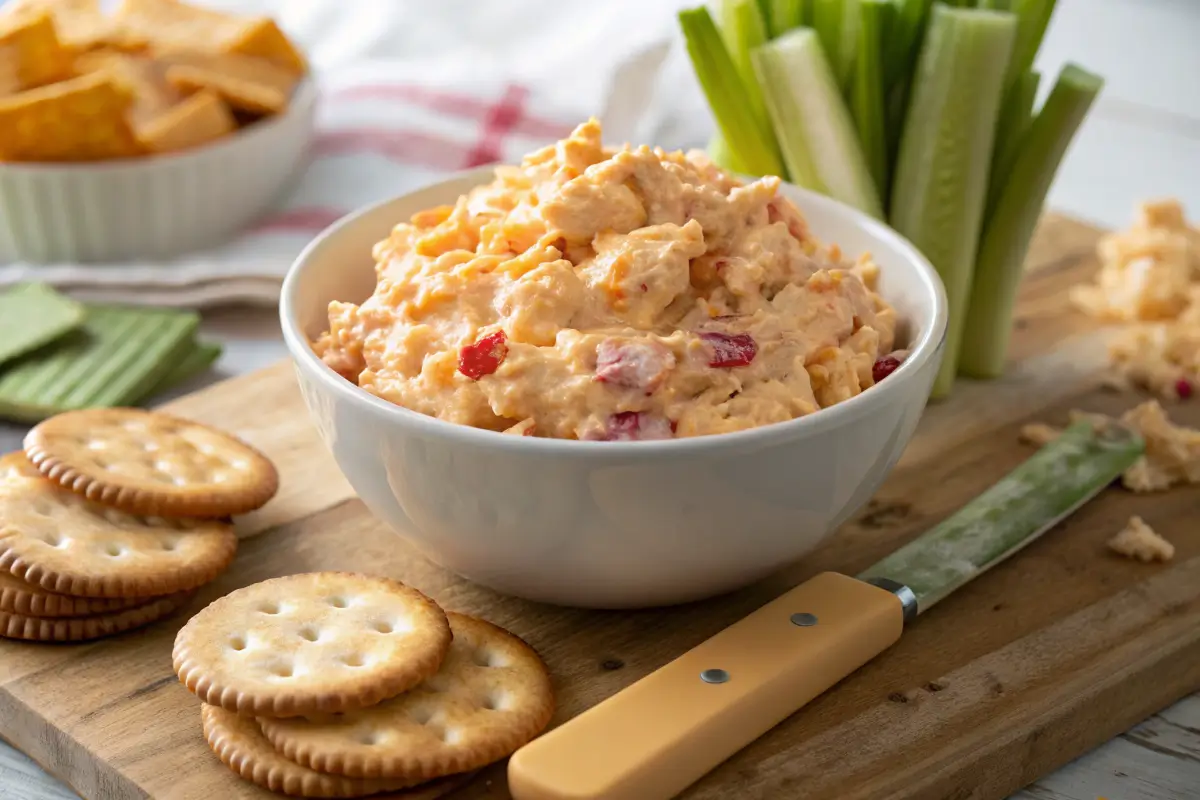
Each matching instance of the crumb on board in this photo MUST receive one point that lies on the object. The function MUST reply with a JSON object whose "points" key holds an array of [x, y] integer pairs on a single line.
{"points": [[1172, 456], [1149, 280], [1039, 433], [1139, 541]]}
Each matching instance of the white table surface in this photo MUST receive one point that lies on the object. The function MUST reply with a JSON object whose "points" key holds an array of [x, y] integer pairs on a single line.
{"points": [[1142, 140]]}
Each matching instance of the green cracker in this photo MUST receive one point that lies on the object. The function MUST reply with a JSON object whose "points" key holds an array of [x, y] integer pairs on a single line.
{"points": [[200, 357], [115, 359], [33, 315]]}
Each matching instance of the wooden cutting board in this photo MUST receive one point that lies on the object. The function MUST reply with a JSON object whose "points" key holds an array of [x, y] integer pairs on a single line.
{"points": [[1046, 656]]}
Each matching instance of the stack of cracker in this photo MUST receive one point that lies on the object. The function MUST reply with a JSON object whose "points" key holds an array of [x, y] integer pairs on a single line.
{"points": [[334, 684], [156, 76], [112, 518]]}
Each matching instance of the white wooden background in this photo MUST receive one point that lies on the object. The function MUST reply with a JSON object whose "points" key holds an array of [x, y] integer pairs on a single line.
{"points": [[1142, 140]]}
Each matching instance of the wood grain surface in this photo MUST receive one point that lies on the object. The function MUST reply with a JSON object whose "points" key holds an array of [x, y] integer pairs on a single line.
{"points": [[1059, 649]]}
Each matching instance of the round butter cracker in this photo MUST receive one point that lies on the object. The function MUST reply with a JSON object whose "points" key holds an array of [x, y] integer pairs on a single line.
{"points": [[147, 462], [17, 465], [62, 543], [81, 629], [491, 696], [19, 597], [239, 743], [317, 642]]}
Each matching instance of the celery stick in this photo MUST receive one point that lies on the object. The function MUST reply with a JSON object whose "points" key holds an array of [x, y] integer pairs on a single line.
{"points": [[1006, 240], [901, 46], [816, 132], [743, 29], [866, 93], [785, 15], [718, 150], [1033, 17], [904, 40], [836, 21], [752, 145], [940, 184], [1016, 115], [764, 13]]}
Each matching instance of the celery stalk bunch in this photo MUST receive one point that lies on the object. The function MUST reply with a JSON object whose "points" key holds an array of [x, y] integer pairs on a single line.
{"points": [[920, 113]]}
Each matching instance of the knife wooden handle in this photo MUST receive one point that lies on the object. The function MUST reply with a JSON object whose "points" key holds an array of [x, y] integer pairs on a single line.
{"points": [[664, 732]]}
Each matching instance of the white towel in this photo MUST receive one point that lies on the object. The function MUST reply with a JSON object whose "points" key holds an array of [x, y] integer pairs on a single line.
{"points": [[412, 90]]}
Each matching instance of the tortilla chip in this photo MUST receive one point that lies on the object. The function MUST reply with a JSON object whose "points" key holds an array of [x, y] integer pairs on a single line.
{"points": [[199, 119], [83, 119], [31, 51], [249, 84]]}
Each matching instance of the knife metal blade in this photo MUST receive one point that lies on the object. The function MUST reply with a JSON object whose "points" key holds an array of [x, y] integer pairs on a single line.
{"points": [[1033, 498]]}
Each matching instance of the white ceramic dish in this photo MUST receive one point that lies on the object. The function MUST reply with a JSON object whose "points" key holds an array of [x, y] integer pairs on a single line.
{"points": [[153, 207], [611, 524]]}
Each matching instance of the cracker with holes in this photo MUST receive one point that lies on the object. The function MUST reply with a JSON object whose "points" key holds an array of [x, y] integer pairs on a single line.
{"points": [[491, 696], [239, 743], [311, 643], [147, 462], [56, 540], [81, 629], [16, 465], [19, 597]]}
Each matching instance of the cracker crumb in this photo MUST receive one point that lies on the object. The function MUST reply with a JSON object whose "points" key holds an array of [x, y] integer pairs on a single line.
{"points": [[1139, 541], [1039, 433], [1149, 280], [1172, 456]]}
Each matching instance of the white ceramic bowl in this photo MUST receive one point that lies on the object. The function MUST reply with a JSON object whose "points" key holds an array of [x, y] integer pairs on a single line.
{"points": [[611, 524], [153, 207]]}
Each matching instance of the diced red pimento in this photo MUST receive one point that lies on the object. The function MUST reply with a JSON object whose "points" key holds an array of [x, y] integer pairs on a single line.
{"points": [[484, 356], [635, 426], [1183, 388], [884, 367], [525, 427], [637, 365], [730, 349]]}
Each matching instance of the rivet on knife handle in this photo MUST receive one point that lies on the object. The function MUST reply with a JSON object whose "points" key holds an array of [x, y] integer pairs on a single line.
{"points": [[661, 734], [664, 732]]}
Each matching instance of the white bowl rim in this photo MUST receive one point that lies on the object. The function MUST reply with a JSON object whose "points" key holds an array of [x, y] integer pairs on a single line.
{"points": [[838, 414], [302, 101]]}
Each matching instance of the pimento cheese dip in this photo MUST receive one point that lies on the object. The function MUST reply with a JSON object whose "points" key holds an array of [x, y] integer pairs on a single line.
{"points": [[610, 294]]}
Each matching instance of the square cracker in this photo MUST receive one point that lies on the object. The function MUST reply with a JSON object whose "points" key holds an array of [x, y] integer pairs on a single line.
{"points": [[246, 83], [145, 78], [81, 24], [10, 78], [172, 25], [82, 119], [30, 52], [201, 118], [261, 37]]}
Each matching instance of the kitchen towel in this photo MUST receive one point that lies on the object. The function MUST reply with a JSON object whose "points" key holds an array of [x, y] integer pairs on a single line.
{"points": [[410, 91]]}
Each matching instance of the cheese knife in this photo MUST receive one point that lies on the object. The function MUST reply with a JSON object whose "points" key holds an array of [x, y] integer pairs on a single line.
{"points": [[664, 732]]}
